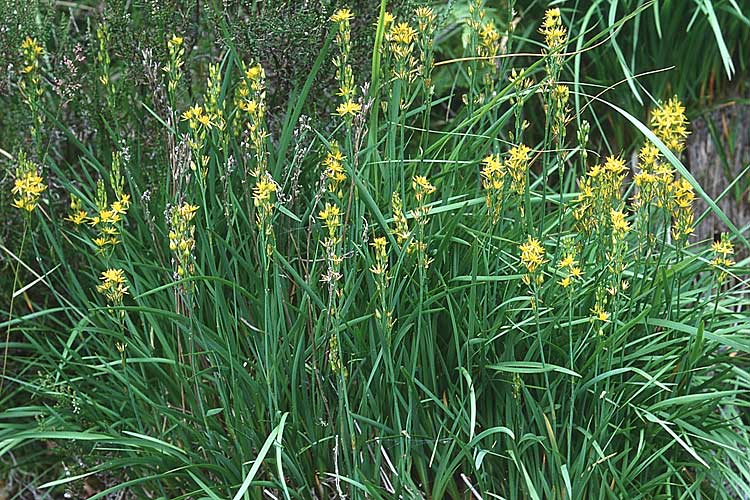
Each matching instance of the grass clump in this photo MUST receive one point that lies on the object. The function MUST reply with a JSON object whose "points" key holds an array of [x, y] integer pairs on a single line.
{"points": [[443, 293]]}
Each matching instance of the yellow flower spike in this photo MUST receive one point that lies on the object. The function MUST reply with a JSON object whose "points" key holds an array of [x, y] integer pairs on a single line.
{"points": [[532, 254], [113, 285], [28, 185], [669, 123]]}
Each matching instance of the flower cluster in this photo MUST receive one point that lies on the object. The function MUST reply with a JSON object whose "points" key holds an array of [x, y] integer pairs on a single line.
{"points": [[493, 181], [517, 165], [426, 20], [555, 34], [334, 169], [401, 225], [108, 218], [173, 68], [600, 194], [532, 254], [263, 199], [669, 124], [213, 100], [200, 123], [657, 181], [722, 250], [380, 268], [487, 41], [401, 38], [250, 99], [28, 186], [331, 218], [182, 237], [31, 82], [347, 91], [113, 285], [569, 265], [682, 199], [103, 62]]}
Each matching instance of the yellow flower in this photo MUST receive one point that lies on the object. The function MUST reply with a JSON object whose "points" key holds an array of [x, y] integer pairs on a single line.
{"points": [[599, 313], [175, 41], [567, 261], [254, 72], [402, 33], [565, 282], [331, 217], [669, 123], [113, 285], [342, 15], [532, 254], [78, 217], [421, 186], [518, 165], [619, 224], [348, 108], [262, 191], [28, 186], [576, 272]]}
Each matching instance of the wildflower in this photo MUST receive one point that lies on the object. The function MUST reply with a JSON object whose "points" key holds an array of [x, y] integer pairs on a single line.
{"points": [[250, 97], [401, 37], [517, 164], [567, 261], [262, 192], [334, 169], [555, 35], [331, 217], [576, 272], [599, 313], [401, 229], [182, 236], [722, 249], [78, 217], [380, 268], [422, 187], [493, 181], [28, 186], [426, 19], [348, 108], [342, 15], [173, 69], [620, 225], [682, 209], [532, 254], [113, 285], [565, 282], [344, 73], [669, 124], [212, 99], [30, 84], [600, 194]]}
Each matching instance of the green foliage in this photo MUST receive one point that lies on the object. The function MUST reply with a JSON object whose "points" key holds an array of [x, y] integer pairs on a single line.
{"points": [[436, 289]]}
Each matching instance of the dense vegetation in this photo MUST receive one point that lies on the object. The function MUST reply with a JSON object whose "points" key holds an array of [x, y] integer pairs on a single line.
{"points": [[434, 251]]}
